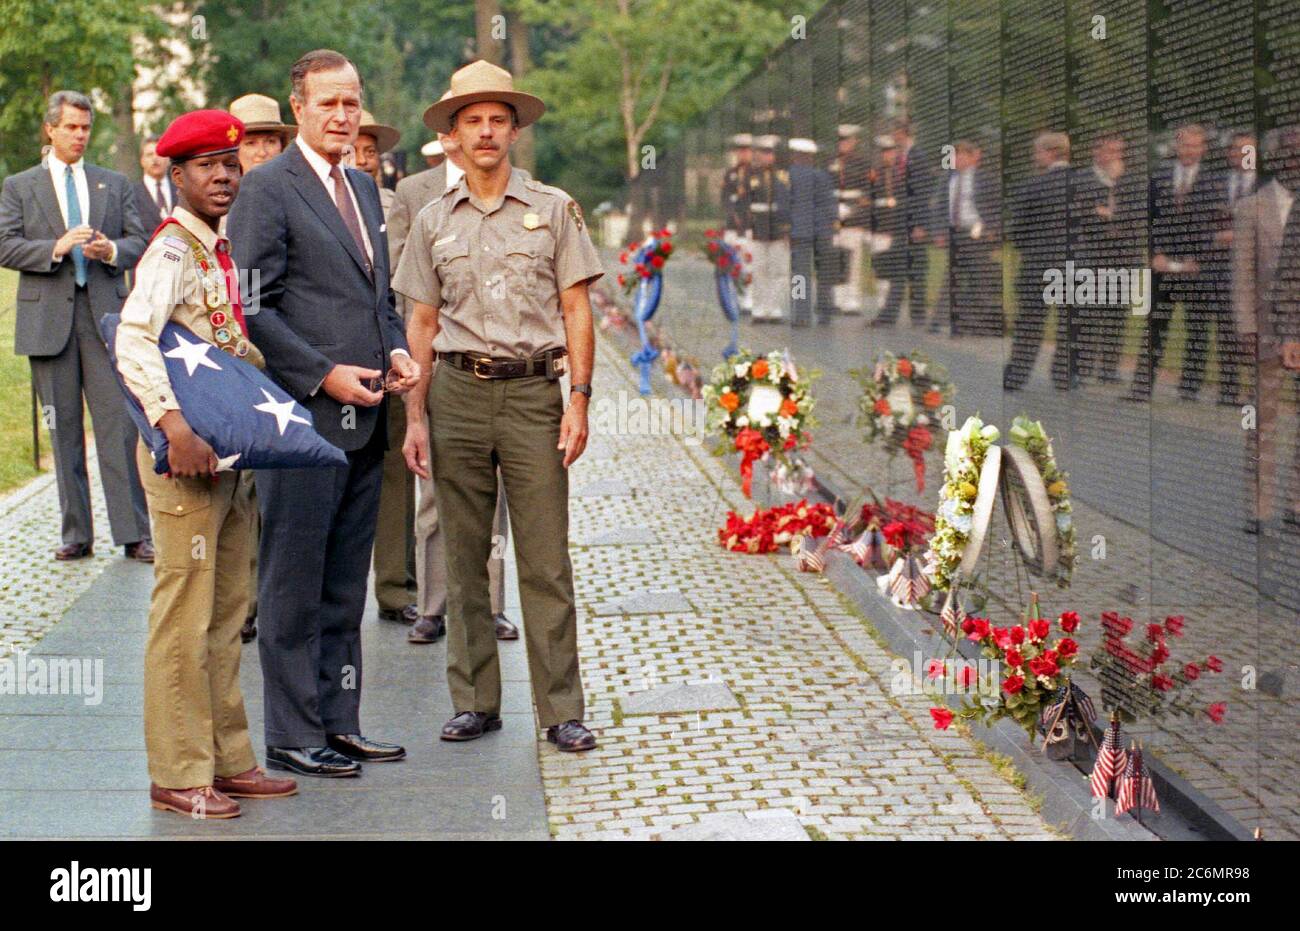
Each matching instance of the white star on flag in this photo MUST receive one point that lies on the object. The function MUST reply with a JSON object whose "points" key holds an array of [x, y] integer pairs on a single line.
{"points": [[194, 354], [282, 411], [227, 463]]}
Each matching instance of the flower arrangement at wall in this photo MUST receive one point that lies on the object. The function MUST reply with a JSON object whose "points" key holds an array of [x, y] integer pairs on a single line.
{"points": [[1032, 663], [762, 408], [770, 529], [1030, 436], [645, 260], [964, 458], [902, 397]]}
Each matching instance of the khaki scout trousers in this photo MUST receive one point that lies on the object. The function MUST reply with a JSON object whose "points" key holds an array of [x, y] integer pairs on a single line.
{"points": [[194, 721], [477, 425], [394, 553], [431, 554]]}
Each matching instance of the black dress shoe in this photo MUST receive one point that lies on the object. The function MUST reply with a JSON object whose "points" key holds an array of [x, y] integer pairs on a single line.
{"points": [[571, 737], [141, 551], [356, 747], [73, 551], [505, 629], [470, 725], [428, 629], [248, 633], [407, 615], [311, 761]]}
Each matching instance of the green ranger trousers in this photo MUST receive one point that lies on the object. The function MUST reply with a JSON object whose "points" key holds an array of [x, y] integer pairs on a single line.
{"points": [[394, 552], [475, 426]]}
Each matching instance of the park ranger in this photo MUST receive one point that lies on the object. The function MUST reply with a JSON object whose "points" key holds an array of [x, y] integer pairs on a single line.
{"points": [[196, 732], [497, 270]]}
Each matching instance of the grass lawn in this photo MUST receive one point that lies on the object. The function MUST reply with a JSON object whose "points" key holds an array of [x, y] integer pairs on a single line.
{"points": [[16, 464]]}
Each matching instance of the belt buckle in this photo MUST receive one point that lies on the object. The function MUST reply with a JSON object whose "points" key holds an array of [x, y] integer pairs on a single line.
{"points": [[480, 374]]}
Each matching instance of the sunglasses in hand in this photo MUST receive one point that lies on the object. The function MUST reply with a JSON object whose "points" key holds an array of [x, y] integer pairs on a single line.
{"points": [[389, 383]]}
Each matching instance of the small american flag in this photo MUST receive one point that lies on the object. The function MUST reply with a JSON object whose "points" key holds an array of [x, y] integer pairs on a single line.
{"points": [[907, 583], [1111, 761], [952, 615], [1136, 789]]}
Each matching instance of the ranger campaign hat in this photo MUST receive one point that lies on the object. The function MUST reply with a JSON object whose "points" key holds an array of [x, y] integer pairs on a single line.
{"points": [[385, 136], [261, 114], [477, 82], [201, 132]]}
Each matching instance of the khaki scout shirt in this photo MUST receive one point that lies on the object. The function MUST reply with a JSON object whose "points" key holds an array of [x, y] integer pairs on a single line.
{"points": [[495, 272], [168, 286]]}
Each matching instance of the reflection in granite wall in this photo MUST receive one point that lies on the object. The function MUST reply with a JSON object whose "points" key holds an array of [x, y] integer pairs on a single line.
{"points": [[973, 147]]}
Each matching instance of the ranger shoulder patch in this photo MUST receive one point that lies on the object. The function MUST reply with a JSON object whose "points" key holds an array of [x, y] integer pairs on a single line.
{"points": [[576, 212]]}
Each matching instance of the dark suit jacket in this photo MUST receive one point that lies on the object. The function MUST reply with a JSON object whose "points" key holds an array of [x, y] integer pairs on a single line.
{"points": [[812, 203], [1037, 218], [147, 207], [30, 223], [1094, 240], [314, 306], [1186, 229], [984, 196]]}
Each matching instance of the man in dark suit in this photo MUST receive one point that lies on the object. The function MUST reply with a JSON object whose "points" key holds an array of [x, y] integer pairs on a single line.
{"points": [[154, 193], [906, 218], [71, 230], [326, 323], [812, 226], [1188, 265], [964, 220], [1037, 226], [1105, 201]]}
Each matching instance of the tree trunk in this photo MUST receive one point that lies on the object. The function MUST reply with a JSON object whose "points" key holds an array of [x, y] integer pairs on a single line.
{"points": [[489, 47], [521, 62], [126, 155]]}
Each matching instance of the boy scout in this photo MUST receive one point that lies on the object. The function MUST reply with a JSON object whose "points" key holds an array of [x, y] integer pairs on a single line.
{"points": [[196, 733], [497, 270]]}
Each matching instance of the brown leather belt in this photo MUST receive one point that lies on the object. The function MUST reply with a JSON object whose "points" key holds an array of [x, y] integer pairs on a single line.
{"points": [[486, 367]]}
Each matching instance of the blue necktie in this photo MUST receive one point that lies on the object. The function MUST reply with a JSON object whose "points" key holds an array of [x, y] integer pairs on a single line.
{"points": [[74, 220]]}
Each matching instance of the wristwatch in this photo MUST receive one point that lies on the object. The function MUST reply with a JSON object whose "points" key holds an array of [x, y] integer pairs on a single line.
{"points": [[584, 388]]}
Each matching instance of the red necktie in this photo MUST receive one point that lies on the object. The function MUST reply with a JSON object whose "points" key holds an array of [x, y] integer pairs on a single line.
{"points": [[232, 283]]}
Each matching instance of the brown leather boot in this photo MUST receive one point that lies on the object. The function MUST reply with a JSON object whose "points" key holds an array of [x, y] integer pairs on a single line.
{"points": [[201, 803], [255, 783]]}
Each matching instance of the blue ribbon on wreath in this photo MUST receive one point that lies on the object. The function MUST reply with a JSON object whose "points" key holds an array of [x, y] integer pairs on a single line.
{"points": [[728, 295], [645, 301]]}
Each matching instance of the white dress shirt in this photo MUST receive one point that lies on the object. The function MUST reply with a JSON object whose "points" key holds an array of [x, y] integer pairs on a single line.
{"points": [[1185, 175], [159, 185], [454, 174], [59, 175], [963, 211], [322, 167]]}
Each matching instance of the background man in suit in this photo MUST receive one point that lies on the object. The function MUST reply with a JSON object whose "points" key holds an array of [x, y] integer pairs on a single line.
{"points": [[1037, 226], [1266, 307], [327, 326], [71, 229], [909, 186], [155, 195], [412, 194], [812, 224], [1188, 200], [965, 217], [1101, 236]]}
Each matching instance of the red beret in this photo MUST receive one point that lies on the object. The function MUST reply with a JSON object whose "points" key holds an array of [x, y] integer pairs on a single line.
{"points": [[200, 132]]}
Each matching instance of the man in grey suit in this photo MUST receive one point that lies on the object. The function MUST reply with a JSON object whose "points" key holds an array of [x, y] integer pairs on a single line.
{"points": [[71, 230], [1266, 311], [413, 193], [326, 323]]}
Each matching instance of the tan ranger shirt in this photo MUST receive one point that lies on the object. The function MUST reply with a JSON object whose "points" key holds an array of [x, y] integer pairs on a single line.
{"points": [[168, 286], [495, 272]]}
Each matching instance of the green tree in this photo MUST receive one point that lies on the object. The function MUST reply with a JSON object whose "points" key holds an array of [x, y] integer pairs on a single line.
{"points": [[622, 74], [46, 46]]}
